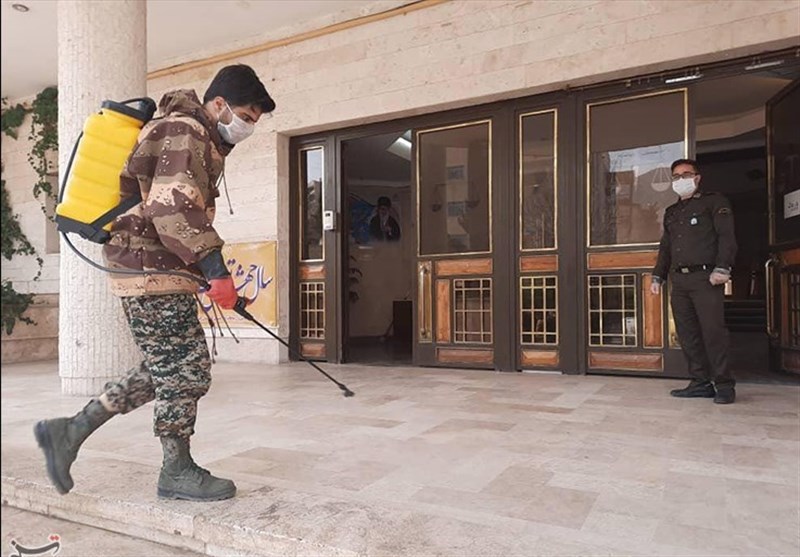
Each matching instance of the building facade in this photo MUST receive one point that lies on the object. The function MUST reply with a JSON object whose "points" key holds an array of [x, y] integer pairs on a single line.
{"points": [[522, 148]]}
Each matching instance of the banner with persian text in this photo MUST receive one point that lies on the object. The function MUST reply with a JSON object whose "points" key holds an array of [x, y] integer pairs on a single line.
{"points": [[253, 268]]}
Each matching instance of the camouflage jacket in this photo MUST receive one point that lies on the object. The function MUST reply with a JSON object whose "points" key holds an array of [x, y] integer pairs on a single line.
{"points": [[174, 167]]}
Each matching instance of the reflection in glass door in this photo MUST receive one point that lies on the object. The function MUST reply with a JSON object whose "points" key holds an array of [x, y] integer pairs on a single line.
{"points": [[630, 145], [312, 272], [454, 248]]}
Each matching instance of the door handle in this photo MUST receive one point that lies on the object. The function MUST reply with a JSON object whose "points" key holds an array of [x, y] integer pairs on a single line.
{"points": [[769, 275], [425, 303]]}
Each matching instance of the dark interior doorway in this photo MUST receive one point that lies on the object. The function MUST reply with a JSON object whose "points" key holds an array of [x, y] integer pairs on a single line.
{"points": [[379, 248], [730, 129]]}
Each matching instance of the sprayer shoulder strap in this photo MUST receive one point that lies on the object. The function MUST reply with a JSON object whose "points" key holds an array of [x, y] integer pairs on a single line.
{"points": [[112, 214]]}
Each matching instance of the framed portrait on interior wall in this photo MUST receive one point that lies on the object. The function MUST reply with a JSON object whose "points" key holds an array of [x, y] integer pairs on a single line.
{"points": [[384, 226], [374, 221]]}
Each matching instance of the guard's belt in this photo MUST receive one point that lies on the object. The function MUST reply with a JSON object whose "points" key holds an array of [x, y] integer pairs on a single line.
{"points": [[693, 268]]}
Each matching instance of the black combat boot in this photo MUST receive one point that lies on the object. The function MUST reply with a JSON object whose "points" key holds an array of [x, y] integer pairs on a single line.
{"points": [[725, 395], [695, 389], [181, 478], [61, 438]]}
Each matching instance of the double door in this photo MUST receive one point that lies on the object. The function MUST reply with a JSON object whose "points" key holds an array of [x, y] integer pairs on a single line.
{"points": [[535, 229]]}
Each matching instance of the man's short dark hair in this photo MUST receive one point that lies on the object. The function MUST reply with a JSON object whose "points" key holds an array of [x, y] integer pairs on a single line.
{"points": [[690, 162], [384, 201], [240, 86]]}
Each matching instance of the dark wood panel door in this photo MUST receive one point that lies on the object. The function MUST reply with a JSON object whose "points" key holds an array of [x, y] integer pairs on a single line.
{"points": [[456, 286], [783, 268], [630, 142]]}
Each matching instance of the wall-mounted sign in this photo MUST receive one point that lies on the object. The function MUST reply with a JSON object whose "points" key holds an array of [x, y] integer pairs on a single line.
{"points": [[253, 267], [791, 204]]}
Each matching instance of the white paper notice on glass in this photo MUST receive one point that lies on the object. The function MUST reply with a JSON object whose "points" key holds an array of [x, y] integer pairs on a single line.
{"points": [[791, 204]]}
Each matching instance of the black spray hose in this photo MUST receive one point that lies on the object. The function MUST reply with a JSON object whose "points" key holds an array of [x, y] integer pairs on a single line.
{"points": [[239, 308], [241, 303]]}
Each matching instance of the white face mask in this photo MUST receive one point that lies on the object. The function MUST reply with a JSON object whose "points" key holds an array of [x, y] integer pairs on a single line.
{"points": [[238, 130], [684, 187]]}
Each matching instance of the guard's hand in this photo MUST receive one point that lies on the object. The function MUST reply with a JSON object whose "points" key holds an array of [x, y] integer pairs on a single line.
{"points": [[717, 278], [655, 288], [223, 292]]}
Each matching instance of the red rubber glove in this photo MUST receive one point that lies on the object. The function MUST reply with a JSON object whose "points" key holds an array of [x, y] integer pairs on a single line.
{"points": [[223, 292]]}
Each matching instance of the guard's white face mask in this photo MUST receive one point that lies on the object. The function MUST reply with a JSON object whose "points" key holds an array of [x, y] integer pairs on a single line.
{"points": [[684, 187], [237, 130]]}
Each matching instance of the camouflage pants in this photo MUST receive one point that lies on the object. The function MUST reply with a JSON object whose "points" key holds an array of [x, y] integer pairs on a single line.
{"points": [[176, 370]]}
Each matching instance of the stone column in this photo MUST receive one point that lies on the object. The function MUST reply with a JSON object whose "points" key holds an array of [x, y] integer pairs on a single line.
{"points": [[102, 54]]}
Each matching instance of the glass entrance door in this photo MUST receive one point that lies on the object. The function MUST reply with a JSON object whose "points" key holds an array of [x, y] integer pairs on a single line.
{"points": [[546, 234], [630, 143], [313, 275], [455, 286]]}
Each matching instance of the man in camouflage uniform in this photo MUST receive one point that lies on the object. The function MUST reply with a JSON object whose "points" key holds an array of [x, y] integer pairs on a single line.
{"points": [[174, 168]]}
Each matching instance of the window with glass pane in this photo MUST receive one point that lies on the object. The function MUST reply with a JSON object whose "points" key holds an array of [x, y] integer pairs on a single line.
{"points": [[312, 310], [538, 180], [311, 191], [612, 310], [473, 310], [539, 311], [632, 144], [454, 188]]}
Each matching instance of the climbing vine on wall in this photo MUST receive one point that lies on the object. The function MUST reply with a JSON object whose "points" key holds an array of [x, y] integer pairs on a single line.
{"points": [[44, 137], [12, 117], [12, 238]]}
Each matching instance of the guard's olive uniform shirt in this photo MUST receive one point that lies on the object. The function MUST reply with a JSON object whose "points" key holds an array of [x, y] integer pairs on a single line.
{"points": [[697, 231]]}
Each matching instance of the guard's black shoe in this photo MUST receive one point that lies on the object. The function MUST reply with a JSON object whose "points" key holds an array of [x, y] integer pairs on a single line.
{"points": [[725, 395], [695, 390]]}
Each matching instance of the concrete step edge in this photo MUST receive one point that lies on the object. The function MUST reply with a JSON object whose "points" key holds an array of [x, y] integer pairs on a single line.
{"points": [[155, 524]]}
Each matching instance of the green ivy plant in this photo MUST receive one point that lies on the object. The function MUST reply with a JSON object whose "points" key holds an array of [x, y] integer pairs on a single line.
{"points": [[14, 242], [14, 306], [12, 239], [12, 117], [44, 137]]}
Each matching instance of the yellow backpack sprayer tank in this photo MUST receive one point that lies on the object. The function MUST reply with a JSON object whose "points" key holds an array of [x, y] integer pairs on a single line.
{"points": [[89, 199]]}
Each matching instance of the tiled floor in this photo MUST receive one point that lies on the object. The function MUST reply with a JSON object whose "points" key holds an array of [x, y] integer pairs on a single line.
{"points": [[446, 462]]}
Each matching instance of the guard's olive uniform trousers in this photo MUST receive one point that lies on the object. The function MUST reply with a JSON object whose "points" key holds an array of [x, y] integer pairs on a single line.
{"points": [[698, 308], [176, 370]]}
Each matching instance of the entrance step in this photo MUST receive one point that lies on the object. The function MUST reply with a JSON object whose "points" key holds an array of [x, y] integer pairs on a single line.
{"points": [[259, 521]]}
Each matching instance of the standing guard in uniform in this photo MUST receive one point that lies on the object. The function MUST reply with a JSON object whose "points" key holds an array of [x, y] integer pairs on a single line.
{"points": [[174, 168], [697, 252]]}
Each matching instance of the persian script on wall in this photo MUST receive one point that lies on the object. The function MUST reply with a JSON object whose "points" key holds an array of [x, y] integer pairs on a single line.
{"points": [[253, 268]]}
